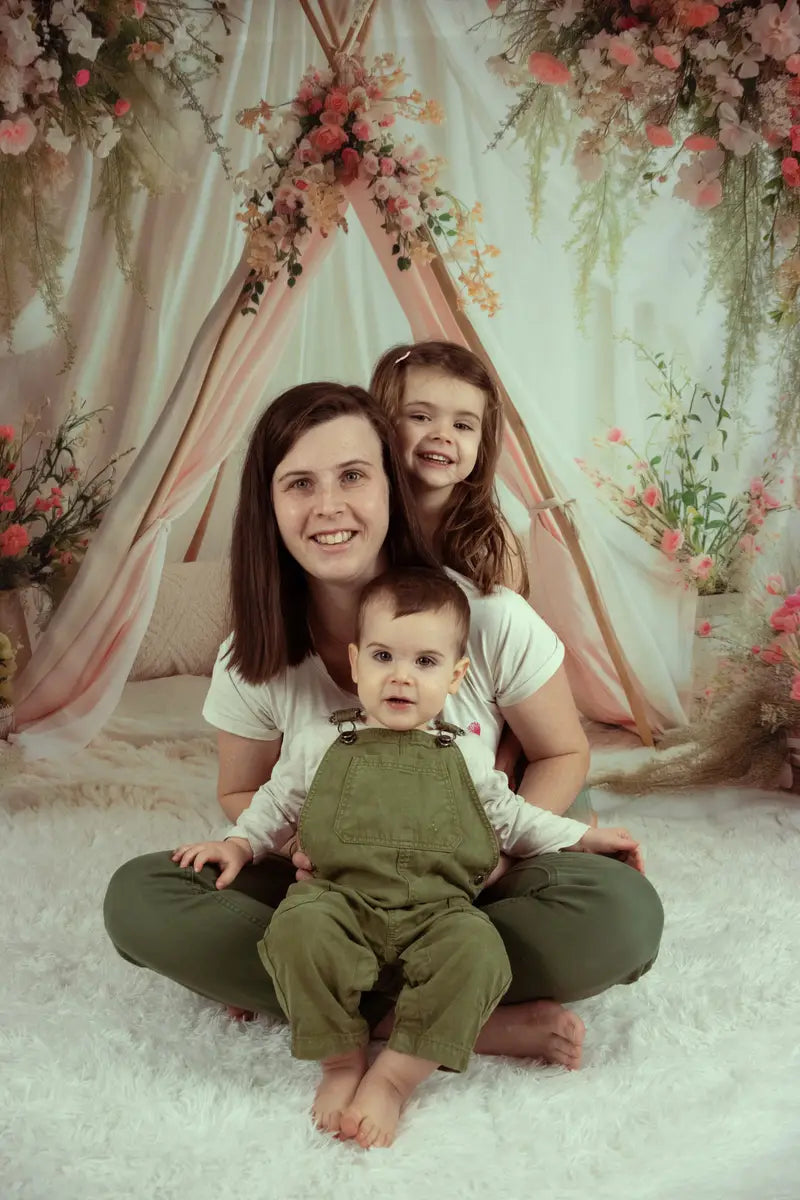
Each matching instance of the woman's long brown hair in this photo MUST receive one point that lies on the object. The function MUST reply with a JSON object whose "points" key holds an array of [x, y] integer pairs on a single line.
{"points": [[473, 537], [268, 588]]}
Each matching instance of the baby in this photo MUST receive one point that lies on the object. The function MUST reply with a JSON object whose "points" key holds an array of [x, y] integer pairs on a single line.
{"points": [[403, 823]]}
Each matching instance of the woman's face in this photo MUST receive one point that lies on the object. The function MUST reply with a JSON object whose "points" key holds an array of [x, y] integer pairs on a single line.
{"points": [[331, 500], [439, 427]]}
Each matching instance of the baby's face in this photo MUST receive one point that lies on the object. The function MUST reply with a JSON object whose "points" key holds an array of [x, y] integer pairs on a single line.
{"points": [[405, 667]]}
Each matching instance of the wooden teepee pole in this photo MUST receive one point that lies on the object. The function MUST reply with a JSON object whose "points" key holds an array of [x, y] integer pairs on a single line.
{"points": [[202, 525], [561, 518]]}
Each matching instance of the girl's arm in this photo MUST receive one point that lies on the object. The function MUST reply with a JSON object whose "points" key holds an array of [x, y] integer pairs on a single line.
{"points": [[244, 764], [552, 739]]}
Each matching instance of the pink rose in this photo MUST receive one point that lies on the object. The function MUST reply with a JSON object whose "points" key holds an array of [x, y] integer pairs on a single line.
{"points": [[13, 540], [775, 585], [329, 117], [698, 142], [671, 541], [370, 163], [351, 160], [622, 53], [790, 169], [314, 105], [794, 694], [16, 136], [792, 602], [336, 101], [697, 16], [703, 629], [615, 434], [327, 138], [773, 654], [659, 135], [121, 107], [8, 505], [83, 77], [388, 166], [6, 433], [701, 565], [792, 64], [663, 55], [651, 496], [363, 131], [547, 69]]}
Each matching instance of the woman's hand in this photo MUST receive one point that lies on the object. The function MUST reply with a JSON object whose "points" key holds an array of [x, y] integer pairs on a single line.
{"points": [[231, 855], [617, 843]]}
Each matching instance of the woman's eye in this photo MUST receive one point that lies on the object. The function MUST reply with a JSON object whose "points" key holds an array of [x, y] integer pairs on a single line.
{"points": [[352, 476], [300, 484]]}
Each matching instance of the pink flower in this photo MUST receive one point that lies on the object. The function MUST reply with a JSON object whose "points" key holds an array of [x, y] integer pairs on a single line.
{"points": [[622, 53], [13, 540], [590, 166], [792, 602], [776, 30], [121, 107], [651, 496], [370, 163], [65, 558], [794, 134], [703, 629], [327, 138], [314, 105], [139, 8], [699, 141], [43, 505], [784, 620], [16, 136], [697, 181], [794, 694], [6, 433], [659, 135], [792, 64], [790, 169], [756, 485], [388, 166], [775, 585], [769, 501], [8, 505], [350, 160], [5, 486], [615, 434], [671, 541], [363, 131], [755, 649], [386, 121], [773, 654], [548, 69], [493, 5], [336, 101], [663, 55], [306, 152], [697, 16], [701, 565], [82, 78]]}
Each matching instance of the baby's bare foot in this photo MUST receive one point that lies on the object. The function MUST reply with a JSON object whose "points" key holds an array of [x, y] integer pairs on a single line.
{"points": [[373, 1115], [538, 1029], [340, 1079]]}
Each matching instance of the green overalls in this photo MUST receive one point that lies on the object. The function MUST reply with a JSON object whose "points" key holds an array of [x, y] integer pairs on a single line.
{"points": [[401, 845]]}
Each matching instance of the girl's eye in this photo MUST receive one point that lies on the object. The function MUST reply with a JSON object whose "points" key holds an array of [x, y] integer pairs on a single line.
{"points": [[463, 425], [417, 416], [382, 656]]}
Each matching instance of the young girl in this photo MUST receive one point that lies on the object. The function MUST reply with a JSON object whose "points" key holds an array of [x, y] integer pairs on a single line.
{"points": [[448, 414]]}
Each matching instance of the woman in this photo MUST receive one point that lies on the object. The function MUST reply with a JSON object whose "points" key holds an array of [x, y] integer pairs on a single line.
{"points": [[324, 507]]}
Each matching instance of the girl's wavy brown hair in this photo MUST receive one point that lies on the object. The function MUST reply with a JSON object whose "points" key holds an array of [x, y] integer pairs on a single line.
{"points": [[268, 588], [473, 537]]}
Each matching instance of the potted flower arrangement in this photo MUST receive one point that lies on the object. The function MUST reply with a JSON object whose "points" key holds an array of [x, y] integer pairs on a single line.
{"points": [[339, 127], [96, 74], [673, 499], [49, 506], [701, 99]]}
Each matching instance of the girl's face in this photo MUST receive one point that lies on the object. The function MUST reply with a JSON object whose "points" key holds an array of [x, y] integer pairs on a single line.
{"points": [[330, 496], [439, 428]]}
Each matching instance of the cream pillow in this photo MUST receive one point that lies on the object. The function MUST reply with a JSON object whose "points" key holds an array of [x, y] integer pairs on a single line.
{"points": [[188, 624]]}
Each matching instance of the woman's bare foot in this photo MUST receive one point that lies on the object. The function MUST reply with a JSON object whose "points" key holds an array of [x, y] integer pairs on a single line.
{"points": [[538, 1029], [373, 1115], [341, 1076]]}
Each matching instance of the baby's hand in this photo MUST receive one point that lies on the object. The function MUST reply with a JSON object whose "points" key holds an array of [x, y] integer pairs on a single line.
{"points": [[231, 855], [616, 842]]}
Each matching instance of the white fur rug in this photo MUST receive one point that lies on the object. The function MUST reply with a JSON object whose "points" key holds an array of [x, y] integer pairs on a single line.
{"points": [[118, 1084]]}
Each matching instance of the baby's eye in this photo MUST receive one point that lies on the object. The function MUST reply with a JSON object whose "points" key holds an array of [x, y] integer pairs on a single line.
{"points": [[382, 656], [425, 660]]}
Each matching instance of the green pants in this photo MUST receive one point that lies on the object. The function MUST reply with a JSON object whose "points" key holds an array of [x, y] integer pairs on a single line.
{"points": [[572, 924], [325, 946]]}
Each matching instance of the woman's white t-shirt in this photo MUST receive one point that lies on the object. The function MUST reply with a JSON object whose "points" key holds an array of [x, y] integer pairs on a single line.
{"points": [[512, 653]]}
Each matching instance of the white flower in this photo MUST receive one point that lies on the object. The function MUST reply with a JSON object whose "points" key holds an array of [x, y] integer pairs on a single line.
{"points": [[22, 44], [108, 136], [565, 14], [715, 443], [786, 230], [592, 64], [61, 10], [79, 31], [11, 87], [505, 70], [57, 140]]}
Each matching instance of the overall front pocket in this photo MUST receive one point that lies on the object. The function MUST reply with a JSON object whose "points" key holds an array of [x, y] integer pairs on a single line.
{"points": [[390, 804]]}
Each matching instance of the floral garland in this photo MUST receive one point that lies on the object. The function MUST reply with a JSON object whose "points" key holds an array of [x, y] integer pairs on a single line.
{"points": [[91, 73], [673, 500], [338, 128], [50, 507], [702, 98]]}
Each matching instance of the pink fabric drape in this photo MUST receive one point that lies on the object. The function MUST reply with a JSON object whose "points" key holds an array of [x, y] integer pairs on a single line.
{"points": [[78, 670]]}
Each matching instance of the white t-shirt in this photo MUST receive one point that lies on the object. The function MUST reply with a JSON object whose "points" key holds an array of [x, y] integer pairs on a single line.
{"points": [[511, 651], [521, 829]]}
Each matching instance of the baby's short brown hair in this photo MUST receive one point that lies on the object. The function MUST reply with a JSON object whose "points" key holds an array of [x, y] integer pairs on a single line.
{"points": [[415, 590]]}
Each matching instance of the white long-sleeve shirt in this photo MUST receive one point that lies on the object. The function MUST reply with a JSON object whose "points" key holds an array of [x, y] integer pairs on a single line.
{"points": [[521, 829]]}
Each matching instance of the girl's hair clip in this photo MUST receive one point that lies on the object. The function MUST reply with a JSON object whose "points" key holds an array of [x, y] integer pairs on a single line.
{"points": [[402, 357]]}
